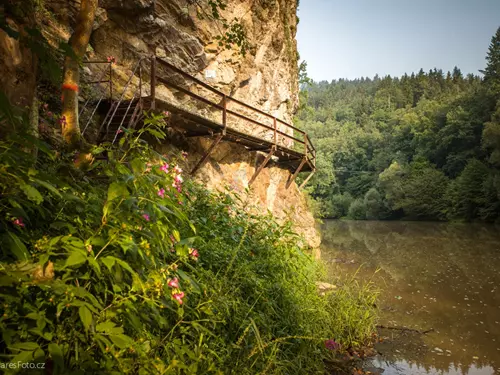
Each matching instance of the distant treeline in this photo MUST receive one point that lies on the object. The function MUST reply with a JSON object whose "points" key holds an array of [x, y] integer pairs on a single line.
{"points": [[422, 146]]}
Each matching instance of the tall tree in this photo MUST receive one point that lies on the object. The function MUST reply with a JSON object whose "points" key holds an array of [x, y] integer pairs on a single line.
{"points": [[78, 43], [492, 70]]}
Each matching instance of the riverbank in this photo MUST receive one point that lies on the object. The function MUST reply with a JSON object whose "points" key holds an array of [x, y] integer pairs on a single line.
{"points": [[123, 265]]}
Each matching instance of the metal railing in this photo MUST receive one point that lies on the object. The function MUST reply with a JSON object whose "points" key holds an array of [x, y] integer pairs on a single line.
{"points": [[277, 129]]}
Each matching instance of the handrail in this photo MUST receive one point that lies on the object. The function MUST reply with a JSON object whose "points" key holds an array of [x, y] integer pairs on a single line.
{"points": [[226, 111], [125, 88]]}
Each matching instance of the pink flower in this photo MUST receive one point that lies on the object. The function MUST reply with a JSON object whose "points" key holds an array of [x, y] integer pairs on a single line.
{"points": [[332, 345], [19, 222], [166, 113], [111, 59], [193, 253], [178, 297], [49, 114], [173, 283], [62, 120], [184, 154], [177, 169], [120, 130], [45, 106], [146, 217], [161, 193], [164, 168]]}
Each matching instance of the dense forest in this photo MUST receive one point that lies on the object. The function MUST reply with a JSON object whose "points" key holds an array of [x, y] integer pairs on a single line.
{"points": [[421, 146]]}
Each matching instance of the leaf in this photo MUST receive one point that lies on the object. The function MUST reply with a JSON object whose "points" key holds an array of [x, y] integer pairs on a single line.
{"points": [[85, 316], [76, 258], [122, 341], [105, 326], [194, 284], [32, 193], [17, 247], [117, 190], [108, 262], [57, 355], [25, 346], [122, 263], [48, 186], [23, 357]]}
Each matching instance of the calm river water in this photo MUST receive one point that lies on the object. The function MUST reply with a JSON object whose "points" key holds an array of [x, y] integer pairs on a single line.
{"points": [[437, 276]]}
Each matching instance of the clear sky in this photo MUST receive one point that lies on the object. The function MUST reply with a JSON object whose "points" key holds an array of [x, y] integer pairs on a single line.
{"points": [[354, 38]]}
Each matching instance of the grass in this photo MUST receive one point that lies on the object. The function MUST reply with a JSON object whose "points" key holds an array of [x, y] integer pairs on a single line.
{"points": [[120, 267]]}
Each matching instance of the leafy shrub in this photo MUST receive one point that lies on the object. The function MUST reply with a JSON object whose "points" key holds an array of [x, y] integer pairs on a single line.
{"points": [[357, 210], [125, 268]]}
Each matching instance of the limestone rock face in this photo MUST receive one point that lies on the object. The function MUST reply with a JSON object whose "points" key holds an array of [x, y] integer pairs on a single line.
{"points": [[181, 32]]}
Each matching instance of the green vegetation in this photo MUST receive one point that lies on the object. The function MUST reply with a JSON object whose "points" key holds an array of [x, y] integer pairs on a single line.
{"points": [[424, 146], [119, 266]]}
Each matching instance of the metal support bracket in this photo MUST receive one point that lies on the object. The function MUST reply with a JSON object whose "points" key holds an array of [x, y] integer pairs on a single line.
{"points": [[297, 171], [207, 154], [262, 166], [307, 179]]}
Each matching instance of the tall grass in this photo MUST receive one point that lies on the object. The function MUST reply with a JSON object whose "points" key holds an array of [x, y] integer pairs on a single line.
{"points": [[122, 269]]}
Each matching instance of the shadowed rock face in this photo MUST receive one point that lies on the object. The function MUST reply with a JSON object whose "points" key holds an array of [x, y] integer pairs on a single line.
{"points": [[265, 78]]}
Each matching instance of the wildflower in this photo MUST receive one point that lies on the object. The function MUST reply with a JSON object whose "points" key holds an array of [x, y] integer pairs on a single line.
{"points": [[166, 113], [161, 193], [184, 154], [178, 297], [148, 167], [164, 168], [19, 222], [146, 217], [62, 120], [111, 59], [193, 253], [49, 114], [89, 248], [173, 283], [120, 130], [332, 345], [45, 106], [177, 169]]}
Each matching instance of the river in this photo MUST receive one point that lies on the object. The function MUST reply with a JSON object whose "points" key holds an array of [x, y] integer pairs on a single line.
{"points": [[439, 276]]}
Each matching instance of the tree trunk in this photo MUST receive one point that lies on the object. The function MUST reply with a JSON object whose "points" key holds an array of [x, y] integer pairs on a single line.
{"points": [[78, 43]]}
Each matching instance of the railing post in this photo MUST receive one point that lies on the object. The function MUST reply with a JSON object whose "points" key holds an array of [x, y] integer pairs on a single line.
{"points": [[153, 82], [224, 113], [305, 145], [111, 81], [275, 131]]}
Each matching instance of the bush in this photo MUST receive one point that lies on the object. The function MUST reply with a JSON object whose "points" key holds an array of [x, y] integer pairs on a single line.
{"points": [[125, 268], [357, 210]]}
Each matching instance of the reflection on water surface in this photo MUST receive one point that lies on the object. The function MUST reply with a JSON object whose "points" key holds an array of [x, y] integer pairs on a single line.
{"points": [[437, 276]]}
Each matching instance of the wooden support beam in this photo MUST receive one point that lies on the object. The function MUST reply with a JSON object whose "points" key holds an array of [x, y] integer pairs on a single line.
{"points": [[262, 166], [307, 179], [297, 171], [207, 154]]}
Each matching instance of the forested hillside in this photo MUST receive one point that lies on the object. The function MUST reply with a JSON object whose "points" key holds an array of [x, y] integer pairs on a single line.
{"points": [[422, 146]]}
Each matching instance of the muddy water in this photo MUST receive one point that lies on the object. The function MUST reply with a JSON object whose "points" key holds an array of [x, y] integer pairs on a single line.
{"points": [[444, 277]]}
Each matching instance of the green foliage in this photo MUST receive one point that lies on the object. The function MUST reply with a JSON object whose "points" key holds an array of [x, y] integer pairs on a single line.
{"points": [[357, 210], [408, 138], [125, 268]]}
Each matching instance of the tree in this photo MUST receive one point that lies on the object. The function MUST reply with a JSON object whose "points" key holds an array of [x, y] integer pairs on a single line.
{"points": [[424, 192], [492, 70], [374, 205], [71, 80]]}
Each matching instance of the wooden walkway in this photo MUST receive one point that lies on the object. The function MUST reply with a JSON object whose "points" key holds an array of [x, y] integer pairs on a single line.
{"points": [[201, 110]]}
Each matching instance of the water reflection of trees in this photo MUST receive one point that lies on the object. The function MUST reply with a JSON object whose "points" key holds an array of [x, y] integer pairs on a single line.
{"points": [[454, 263], [413, 352]]}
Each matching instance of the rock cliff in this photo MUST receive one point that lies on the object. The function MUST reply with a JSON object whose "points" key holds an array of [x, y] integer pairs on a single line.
{"points": [[266, 77]]}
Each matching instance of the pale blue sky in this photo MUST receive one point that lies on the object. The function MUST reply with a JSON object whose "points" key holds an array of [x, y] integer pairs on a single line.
{"points": [[354, 38]]}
